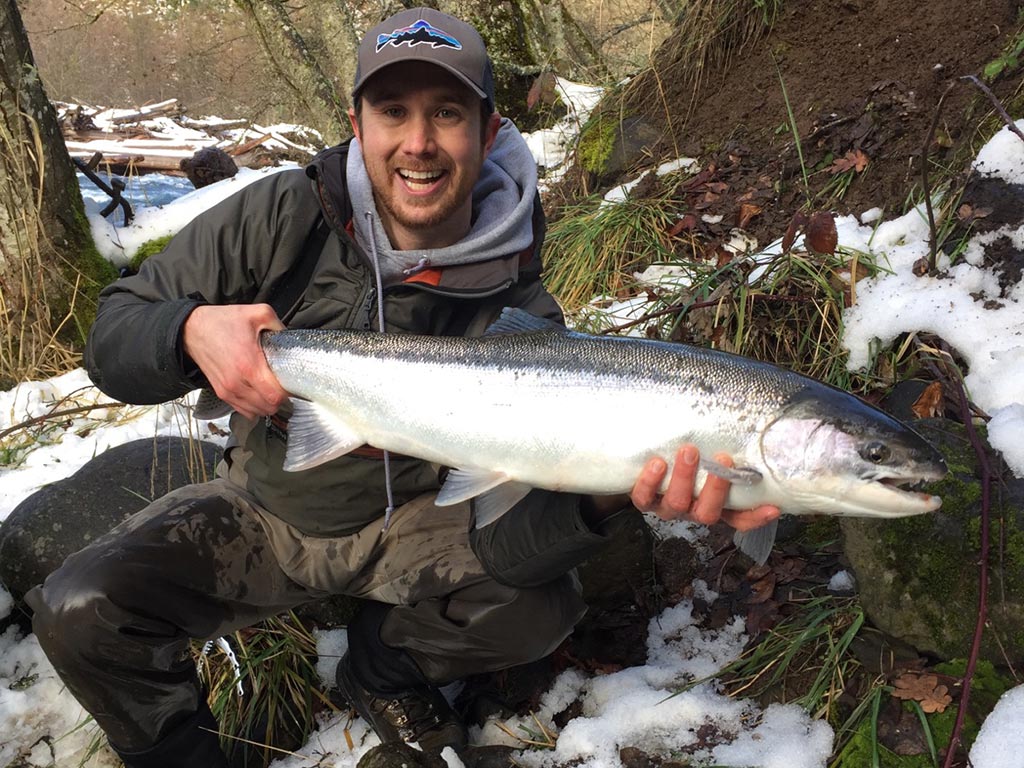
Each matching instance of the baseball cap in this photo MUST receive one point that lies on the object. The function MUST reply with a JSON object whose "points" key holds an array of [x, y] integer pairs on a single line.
{"points": [[426, 34]]}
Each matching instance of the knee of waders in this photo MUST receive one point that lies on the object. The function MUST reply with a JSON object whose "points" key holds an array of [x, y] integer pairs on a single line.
{"points": [[550, 612], [76, 613]]}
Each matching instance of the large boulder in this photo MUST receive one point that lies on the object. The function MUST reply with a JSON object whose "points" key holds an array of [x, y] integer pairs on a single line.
{"points": [[918, 576], [63, 517]]}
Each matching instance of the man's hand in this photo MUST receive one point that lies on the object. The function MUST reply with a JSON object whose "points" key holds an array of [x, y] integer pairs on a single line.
{"points": [[224, 341], [678, 502]]}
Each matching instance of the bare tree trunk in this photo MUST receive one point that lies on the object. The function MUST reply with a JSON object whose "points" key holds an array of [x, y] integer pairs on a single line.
{"points": [[48, 263], [298, 66]]}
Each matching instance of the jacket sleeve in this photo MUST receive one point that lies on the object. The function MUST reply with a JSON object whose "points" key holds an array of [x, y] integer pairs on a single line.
{"points": [[229, 254]]}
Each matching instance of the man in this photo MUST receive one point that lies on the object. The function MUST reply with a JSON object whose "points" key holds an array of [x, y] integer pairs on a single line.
{"points": [[432, 226]]}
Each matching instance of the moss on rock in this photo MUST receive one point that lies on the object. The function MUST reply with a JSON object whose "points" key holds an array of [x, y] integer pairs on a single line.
{"points": [[147, 249], [918, 575], [596, 144]]}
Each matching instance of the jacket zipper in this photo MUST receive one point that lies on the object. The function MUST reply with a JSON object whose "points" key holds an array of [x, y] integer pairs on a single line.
{"points": [[368, 308]]}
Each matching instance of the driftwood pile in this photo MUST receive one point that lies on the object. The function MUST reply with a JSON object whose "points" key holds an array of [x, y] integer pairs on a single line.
{"points": [[159, 137]]}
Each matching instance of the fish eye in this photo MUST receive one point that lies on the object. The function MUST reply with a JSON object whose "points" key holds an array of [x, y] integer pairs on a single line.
{"points": [[876, 453]]}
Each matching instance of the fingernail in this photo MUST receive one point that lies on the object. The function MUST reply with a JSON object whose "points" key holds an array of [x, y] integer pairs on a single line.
{"points": [[690, 455]]}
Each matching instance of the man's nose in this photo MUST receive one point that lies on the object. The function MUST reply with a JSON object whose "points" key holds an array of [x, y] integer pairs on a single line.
{"points": [[419, 137]]}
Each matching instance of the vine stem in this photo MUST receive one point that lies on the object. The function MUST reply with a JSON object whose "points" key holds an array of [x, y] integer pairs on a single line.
{"points": [[979, 627]]}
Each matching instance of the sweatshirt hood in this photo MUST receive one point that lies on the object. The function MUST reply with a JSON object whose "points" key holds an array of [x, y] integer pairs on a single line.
{"points": [[502, 219]]}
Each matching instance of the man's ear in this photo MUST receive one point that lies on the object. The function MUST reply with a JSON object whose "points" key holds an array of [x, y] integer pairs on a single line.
{"points": [[355, 122], [493, 123]]}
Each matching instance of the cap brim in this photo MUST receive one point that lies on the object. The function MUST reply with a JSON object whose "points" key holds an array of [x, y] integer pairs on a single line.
{"points": [[427, 59]]}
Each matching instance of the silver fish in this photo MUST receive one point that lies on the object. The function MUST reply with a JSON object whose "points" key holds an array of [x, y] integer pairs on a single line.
{"points": [[533, 405]]}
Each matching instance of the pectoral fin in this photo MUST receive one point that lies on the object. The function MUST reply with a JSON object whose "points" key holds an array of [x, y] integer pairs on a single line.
{"points": [[735, 475], [758, 543], [315, 436], [208, 406]]}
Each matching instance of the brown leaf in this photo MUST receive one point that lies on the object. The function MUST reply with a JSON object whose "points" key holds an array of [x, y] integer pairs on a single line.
{"points": [[762, 616], [929, 404], [756, 572], [924, 689], [798, 222], [821, 235], [938, 700], [855, 159], [686, 224], [747, 212], [724, 256], [761, 591], [543, 91]]}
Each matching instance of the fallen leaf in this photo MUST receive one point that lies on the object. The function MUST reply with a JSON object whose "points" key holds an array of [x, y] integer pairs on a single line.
{"points": [[924, 689], [761, 591], [929, 404], [747, 212], [797, 223], [686, 224], [821, 235], [543, 91], [854, 160]]}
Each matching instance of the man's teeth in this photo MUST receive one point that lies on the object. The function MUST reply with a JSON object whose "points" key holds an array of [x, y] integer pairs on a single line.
{"points": [[420, 175]]}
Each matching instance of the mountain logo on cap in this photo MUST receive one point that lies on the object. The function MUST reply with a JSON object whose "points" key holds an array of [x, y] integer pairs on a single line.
{"points": [[420, 32]]}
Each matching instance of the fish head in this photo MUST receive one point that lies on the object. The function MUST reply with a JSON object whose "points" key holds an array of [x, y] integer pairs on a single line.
{"points": [[833, 453]]}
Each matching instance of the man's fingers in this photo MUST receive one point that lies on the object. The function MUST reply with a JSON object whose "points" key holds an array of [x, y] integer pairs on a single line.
{"points": [[679, 494], [645, 491], [749, 519], [711, 499]]}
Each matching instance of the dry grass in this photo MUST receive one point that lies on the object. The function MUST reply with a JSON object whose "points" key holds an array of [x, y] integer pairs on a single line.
{"points": [[30, 276]]}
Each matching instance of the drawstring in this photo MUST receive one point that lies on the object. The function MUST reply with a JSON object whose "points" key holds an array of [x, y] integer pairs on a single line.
{"points": [[422, 264], [380, 328]]}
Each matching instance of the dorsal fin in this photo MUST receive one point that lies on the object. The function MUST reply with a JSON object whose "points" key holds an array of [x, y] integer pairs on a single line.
{"points": [[515, 320]]}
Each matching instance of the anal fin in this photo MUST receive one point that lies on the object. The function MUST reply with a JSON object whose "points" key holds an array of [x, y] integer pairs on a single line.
{"points": [[758, 543]]}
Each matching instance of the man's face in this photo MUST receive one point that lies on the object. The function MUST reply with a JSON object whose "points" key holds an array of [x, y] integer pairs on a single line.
{"points": [[423, 147]]}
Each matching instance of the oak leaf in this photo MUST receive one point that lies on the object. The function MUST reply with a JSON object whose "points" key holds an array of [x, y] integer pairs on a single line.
{"points": [[924, 689], [854, 160]]}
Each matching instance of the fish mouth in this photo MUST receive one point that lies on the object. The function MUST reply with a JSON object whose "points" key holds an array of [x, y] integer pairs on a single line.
{"points": [[896, 496]]}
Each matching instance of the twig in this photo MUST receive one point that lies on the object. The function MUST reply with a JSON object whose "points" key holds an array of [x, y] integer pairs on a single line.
{"points": [[995, 103], [56, 415], [979, 627], [933, 245], [696, 305]]}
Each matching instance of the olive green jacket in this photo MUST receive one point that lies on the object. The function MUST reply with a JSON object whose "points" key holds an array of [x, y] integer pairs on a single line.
{"points": [[237, 252]]}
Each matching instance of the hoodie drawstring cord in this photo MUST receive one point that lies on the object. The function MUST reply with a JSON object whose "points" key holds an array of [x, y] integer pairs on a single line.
{"points": [[380, 327]]}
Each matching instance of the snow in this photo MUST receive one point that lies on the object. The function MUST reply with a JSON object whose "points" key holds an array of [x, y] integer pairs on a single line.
{"points": [[1000, 744], [640, 706]]}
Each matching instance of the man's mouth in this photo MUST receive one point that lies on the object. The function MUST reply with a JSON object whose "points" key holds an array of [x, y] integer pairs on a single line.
{"points": [[420, 179]]}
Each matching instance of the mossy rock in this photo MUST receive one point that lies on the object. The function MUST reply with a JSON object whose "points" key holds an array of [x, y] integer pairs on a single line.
{"points": [[147, 249], [611, 146], [918, 576]]}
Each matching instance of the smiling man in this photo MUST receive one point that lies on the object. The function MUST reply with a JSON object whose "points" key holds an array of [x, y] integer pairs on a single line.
{"points": [[427, 222]]}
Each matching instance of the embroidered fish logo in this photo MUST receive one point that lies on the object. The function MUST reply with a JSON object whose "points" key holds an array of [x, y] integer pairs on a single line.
{"points": [[420, 32]]}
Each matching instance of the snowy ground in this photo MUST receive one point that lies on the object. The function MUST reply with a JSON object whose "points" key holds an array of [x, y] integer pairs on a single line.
{"points": [[632, 707]]}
